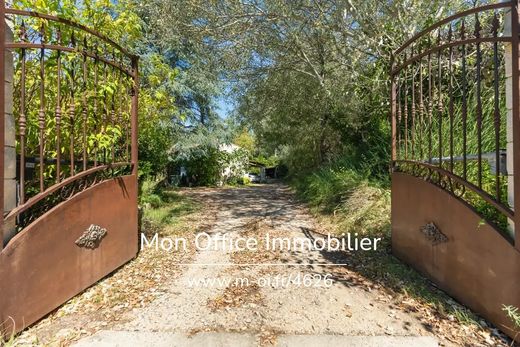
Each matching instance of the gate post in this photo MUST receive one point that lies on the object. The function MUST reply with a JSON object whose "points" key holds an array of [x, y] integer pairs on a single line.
{"points": [[10, 185], [513, 149], [9, 152], [3, 52]]}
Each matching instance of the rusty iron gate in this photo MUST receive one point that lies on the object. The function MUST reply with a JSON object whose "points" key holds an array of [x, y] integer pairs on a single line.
{"points": [[455, 106], [68, 160]]}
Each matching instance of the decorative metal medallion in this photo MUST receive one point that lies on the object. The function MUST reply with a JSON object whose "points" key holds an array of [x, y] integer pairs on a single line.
{"points": [[432, 233], [92, 237]]}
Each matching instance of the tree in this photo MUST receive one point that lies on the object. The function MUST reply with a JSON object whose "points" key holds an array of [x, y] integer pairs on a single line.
{"points": [[310, 76]]}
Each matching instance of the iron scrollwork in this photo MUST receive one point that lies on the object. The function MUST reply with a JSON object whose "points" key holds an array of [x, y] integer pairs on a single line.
{"points": [[66, 192], [431, 175]]}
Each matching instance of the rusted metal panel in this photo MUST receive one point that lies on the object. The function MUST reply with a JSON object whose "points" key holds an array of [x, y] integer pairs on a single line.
{"points": [[469, 62], [66, 250], [76, 218], [472, 261]]}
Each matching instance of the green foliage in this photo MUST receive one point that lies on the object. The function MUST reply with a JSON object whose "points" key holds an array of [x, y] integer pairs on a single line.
{"points": [[150, 194], [245, 140], [513, 314], [119, 21], [310, 80], [163, 205], [360, 204], [156, 112], [267, 161], [205, 168], [254, 170], [195, 126], [211, 166], [115, 19]]}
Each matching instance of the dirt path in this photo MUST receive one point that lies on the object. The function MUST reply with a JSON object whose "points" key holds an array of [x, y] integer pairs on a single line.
{"points": [[255, 303]]}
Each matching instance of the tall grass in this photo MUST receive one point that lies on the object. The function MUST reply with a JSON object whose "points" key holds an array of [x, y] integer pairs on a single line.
{"points": [[163, 205], [7, 340], [359, 203]]}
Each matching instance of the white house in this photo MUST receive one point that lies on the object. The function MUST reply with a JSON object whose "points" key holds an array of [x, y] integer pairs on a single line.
{"points": [[235, 162]]}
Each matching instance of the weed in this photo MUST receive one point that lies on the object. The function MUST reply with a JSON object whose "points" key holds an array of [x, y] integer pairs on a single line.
{"points": [[513, 314], [164, 205], [6, 341]]}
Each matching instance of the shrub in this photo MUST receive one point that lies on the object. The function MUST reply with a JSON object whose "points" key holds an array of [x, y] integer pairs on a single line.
{"points": [[357, 203]]}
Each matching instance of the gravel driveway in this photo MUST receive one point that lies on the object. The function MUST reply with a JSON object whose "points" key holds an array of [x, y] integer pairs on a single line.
{"points": [[297, 297]]}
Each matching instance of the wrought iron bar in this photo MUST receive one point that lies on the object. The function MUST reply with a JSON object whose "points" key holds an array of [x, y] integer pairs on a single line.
{"points": [[41, 116], [464, 107], [112, 119], [484, 195], [450, 107], [444, 46], [413, 113], [95, 118], [106, 112], [58, 112], [72, 110], [440, 104], [430, 108], [41, 196], [22, 121], [112, 124], [399, 114], [121, 119], [421, 110], [496, 107], [85, 105], [128, 134], [463, 69], [478, 28], [393, 115], [134, 113], [405, 113]]}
